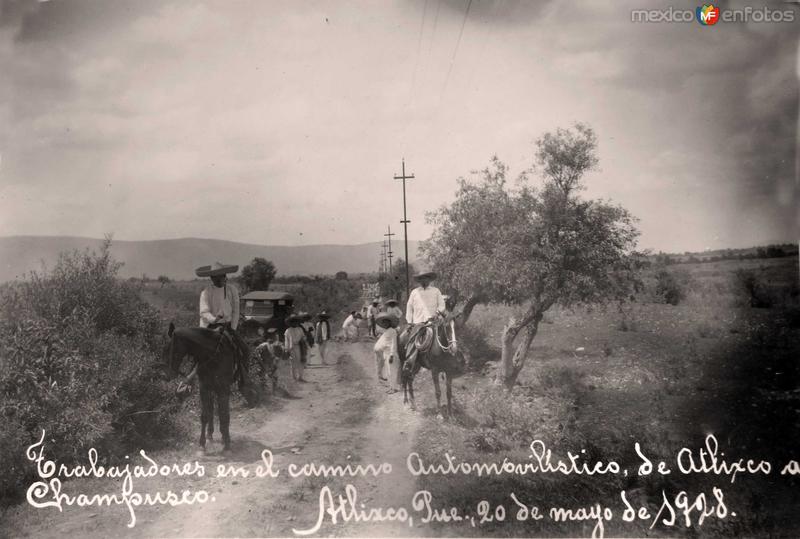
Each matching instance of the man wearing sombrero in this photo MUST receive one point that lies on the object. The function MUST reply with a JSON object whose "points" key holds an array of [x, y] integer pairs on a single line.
{"points": [[386, 350], [391, 307], [219, 308], [219, 301], [424, 303]]}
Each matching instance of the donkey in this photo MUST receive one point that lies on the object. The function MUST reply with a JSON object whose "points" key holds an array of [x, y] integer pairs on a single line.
{"points": [[215, 356], [442, 356]]}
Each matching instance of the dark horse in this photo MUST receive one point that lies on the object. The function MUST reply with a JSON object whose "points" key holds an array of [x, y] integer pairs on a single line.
{"points": [[442, 356], [215, 357]]}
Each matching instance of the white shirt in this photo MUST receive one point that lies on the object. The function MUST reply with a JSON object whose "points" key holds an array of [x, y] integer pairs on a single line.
{"points": [[387, 343], [349, 321], [372, 311], [293, 337], [423, 304], [222, 300]]}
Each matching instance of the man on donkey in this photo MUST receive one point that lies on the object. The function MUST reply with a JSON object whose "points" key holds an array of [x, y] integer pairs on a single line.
{"points": [[425, 304]]}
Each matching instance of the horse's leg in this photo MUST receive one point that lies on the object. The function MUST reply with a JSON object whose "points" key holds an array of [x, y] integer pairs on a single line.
{"points": [[449, 385], [224, 406], [435, 376], [407, 381], [206, 410], [211, 415]]}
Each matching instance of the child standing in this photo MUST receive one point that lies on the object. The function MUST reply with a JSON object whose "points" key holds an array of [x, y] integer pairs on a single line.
{"points": [[386, 350]]}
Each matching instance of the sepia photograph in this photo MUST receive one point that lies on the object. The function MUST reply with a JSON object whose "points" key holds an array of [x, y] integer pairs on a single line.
{"points": [[399, 268]]}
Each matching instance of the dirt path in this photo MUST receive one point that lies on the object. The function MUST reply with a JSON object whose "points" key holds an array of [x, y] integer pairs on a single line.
{"points": [[341, 416]]}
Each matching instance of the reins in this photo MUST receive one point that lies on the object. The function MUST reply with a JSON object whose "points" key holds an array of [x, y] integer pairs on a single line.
{"points": [[452, 345]]}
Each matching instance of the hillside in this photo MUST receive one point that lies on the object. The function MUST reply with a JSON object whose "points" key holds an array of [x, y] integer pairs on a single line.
{"points": [[178, 258]]}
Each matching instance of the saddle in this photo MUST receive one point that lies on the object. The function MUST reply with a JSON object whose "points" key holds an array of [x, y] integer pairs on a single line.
{"points": [[424, 337]]}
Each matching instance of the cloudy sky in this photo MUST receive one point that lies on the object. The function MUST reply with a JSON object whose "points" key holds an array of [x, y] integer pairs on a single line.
{"points": [[284, 122]]}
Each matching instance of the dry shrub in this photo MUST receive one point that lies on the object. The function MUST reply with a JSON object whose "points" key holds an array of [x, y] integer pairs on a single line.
{"points": [[547, 410]]}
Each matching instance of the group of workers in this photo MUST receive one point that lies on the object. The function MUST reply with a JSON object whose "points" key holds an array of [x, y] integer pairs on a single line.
{"points": [[425, 303], [219, 308]]}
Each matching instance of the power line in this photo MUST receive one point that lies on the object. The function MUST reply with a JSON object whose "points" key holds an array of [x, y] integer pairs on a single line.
{"points": [[455, 50]]}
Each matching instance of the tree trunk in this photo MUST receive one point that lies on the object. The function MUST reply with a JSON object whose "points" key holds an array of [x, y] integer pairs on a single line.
{"points": [[466, 312], [512, 359]]}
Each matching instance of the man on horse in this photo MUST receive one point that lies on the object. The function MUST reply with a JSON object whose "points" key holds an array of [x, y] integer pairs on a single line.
{"points": [[425, 304], [219, 309]]}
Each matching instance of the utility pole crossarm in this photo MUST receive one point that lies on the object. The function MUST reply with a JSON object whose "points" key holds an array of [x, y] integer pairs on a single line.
{"points": [[389, 253]]}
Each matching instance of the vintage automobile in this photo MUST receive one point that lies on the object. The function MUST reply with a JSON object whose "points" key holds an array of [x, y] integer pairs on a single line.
{"points": [[265, 309]]}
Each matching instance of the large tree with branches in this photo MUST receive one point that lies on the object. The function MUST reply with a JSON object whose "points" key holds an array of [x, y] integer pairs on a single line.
{"points": [[534, 246]]}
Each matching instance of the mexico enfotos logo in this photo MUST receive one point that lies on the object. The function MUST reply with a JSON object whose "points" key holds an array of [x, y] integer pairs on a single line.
{"points": [[709, 15]]}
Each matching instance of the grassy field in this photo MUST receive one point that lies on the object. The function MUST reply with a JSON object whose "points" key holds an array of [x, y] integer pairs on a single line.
{"points": [[665, 376]]}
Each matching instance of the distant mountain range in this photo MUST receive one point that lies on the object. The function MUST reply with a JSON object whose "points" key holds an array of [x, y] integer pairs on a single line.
{"points": [[178, 258]]}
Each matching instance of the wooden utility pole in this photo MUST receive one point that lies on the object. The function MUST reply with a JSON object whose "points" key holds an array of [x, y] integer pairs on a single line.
{"points": [[390, 234], [405, 221]]}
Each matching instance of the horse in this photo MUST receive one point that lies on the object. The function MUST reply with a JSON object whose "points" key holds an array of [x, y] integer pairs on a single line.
{"points": [[215, 356], [439, 357]]}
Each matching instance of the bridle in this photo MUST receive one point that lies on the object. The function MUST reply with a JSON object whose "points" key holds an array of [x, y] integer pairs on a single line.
{"points": [[452, 344]]}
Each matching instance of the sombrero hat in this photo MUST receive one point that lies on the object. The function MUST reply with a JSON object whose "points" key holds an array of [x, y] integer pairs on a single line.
{"points": [[323, 314], [390, 302], [303, 316], [292, 318], [216, 268], [432, 275], [387, 317]]}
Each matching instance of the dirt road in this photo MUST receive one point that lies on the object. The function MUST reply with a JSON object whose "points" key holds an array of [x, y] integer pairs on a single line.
{"points": [[341, 416]]}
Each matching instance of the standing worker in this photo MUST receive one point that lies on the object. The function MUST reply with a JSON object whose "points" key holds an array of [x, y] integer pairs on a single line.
{"points": [[308, 330], [372, 312], [322, 334], [294, 337]]}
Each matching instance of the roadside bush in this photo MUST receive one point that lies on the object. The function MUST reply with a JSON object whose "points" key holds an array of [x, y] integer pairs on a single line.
{"points": [[755, 292], [668, 288], [77, 361], [474, 342]]}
